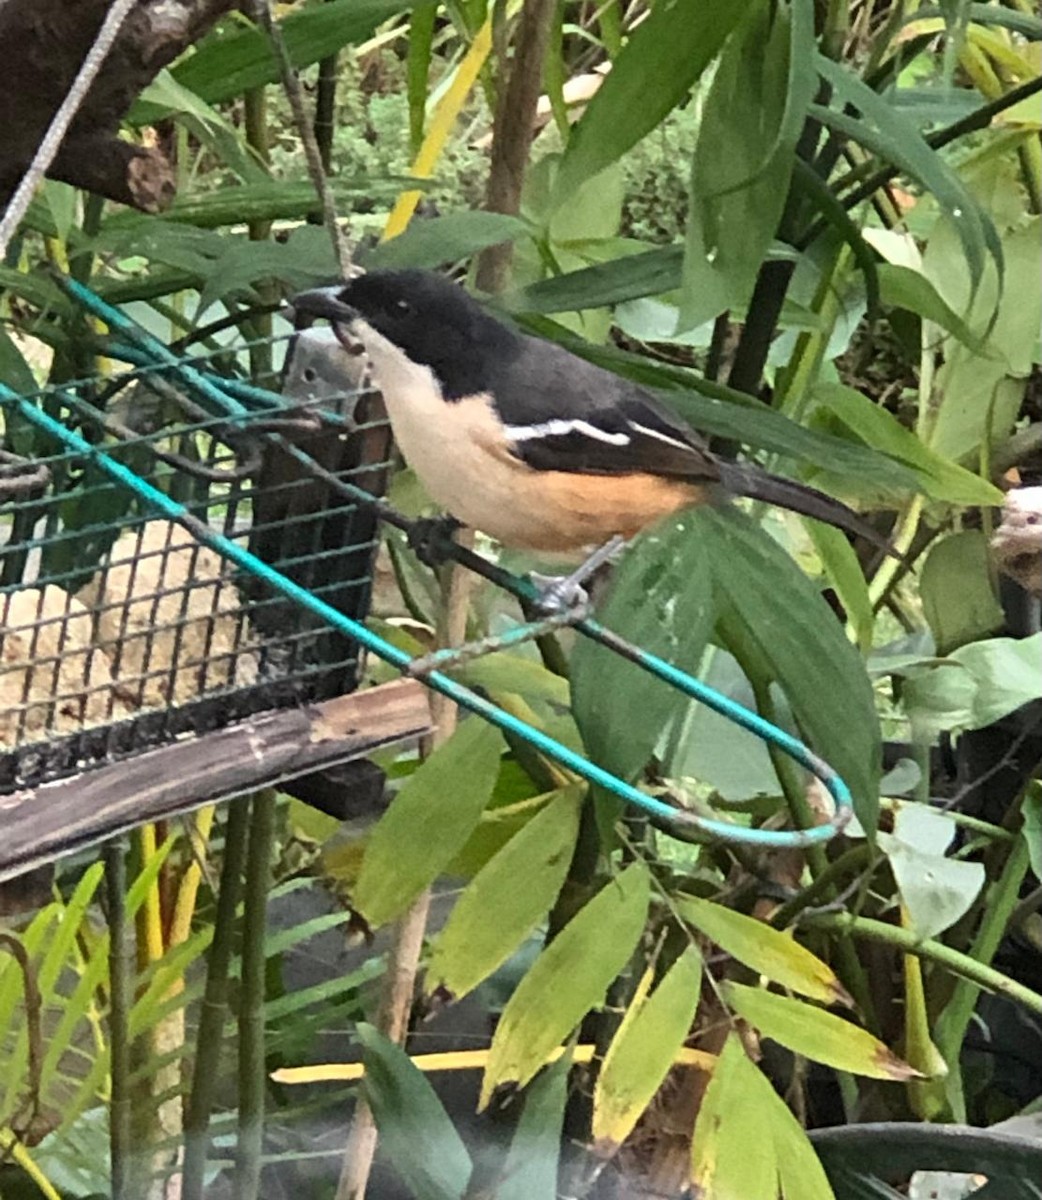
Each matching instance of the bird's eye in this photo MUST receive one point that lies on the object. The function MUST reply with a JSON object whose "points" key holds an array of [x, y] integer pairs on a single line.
{"points": [[403, 306]]}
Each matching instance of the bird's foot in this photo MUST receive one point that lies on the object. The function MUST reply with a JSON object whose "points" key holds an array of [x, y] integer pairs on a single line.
{"points": [[431, 539], [558, 593]]}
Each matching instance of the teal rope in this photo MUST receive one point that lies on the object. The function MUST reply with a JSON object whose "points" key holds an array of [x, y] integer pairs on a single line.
{"points": [[678, 822]]}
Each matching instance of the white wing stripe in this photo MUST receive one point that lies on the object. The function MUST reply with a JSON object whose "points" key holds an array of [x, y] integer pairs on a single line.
{"points": [[561, 428], [661, 437]]}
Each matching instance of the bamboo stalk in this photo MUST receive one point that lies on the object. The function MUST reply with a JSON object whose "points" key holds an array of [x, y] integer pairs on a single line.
{"points": [[215, 999], [120, 999]]}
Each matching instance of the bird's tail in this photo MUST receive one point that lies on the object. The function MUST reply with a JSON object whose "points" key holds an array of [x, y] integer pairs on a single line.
{"points": [[745, 479]]}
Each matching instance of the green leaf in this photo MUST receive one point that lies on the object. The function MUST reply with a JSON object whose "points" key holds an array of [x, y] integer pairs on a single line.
{"points": [[14, 370], [764, 949], [418, 69], [428, 821], [1032, 811], [751, 119], [530, 1170], [959, 601], [659, 603], [936, 891], [800, 1174], [814, 1033], [729, 1164], [235, 59], [888, 133], [435, 241], [570, 977], [841, 563], [974, 686], [629, 277], [673, 46], [726, 1162], [265, 200], [904, 287], [642, 1051], [416, 1134], [507, 898], [938, 476], [778, 626]]}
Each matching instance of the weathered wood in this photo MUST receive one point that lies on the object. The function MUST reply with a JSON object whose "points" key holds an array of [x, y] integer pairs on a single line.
{"points": [[40, 824], [44, 43]]}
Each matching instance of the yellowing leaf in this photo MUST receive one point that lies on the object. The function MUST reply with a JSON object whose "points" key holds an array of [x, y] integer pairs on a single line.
{"points": [[507, 898], [643, 1050], [428, 821], [766, 950], [729, 1162], [569, 978], [816, 1034]]}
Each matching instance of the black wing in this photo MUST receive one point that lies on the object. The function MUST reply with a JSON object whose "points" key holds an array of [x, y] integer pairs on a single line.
{"points": [[564, 414]]}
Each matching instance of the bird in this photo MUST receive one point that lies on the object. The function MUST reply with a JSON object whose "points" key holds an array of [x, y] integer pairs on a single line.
{"points": [[523, 440]]}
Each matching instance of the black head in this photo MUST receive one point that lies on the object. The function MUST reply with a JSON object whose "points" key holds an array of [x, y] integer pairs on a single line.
{"points": [[428, 317]]}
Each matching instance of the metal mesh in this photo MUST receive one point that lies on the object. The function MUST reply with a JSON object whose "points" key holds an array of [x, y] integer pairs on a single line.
{"points": [[119, 630]]}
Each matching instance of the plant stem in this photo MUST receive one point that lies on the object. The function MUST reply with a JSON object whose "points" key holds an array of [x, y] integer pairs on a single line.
{"points": [[848, 964], [404, 959], [976, 974], [996, 911], [252, 1073], [120, 999], [215, 999], [255, 119], [512, 135], [849, 863]]}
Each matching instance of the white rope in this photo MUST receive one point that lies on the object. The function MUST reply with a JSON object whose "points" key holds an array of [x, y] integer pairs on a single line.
{"points": [[62, 119]]}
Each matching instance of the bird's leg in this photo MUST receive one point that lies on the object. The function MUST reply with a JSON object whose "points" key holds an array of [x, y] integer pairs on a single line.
{"points": [[560, 592], [430, 539]]}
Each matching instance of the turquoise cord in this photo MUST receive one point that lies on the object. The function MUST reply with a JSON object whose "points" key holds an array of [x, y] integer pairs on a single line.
{"points": [[677, 822]]}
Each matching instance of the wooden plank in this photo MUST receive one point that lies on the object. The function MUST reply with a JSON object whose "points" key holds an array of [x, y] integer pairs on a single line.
{"points": [[39, 824]]}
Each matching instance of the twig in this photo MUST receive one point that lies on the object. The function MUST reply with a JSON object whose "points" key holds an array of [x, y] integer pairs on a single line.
{"points": [[403, 962], [51, 142], [312, 153], [514, 122]]}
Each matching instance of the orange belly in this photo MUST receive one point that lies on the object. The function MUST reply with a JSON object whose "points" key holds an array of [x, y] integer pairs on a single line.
{"points": [[559, 511]]}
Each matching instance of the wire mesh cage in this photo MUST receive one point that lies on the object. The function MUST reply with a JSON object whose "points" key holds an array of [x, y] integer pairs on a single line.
{"points": [[121, 630]]}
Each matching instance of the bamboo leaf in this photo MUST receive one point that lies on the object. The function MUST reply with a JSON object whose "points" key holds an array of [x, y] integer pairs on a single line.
{"points": [[530, 1170], [235, 59], [726, 1163], [439, 240], [816, 1034], [415, 1131], [642, 1051], [939, 476], [428, 822], [904, 287], [743, 158], [507, 898], [888, 133], [766, 950], [660, 604], [569, 978], [673, 46]]}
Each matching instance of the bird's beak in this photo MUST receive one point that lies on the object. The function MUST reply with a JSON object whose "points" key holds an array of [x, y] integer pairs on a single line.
{"points": [[326, 302], [322, 302]]}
